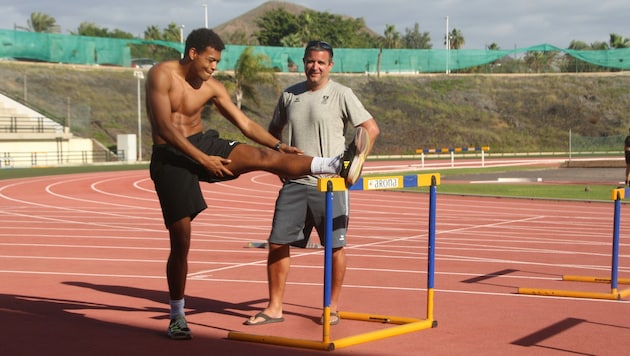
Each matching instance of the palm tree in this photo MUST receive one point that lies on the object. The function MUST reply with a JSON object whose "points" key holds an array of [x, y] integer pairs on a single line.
{"points": [[159, 53], [152, 33], [172, 33], [493, 47], [600, 46], [617, 41], [539, 61], [90, 29], [252, 69], [40, 22], [579, 45], [456, 39], [392, 37], [413, 38]]}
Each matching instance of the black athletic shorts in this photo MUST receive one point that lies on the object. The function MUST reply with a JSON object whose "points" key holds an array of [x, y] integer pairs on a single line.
{"points": [[627, 157], [176, 176]]}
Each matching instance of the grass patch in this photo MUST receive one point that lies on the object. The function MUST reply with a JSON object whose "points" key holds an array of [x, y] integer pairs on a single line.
{"points": [[533, 190]]}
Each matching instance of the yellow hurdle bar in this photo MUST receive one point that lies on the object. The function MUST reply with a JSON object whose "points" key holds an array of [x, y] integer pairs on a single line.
{"points": [[594, 279], [283, 341], [386, 319], [395, 182], [613, 295], [339, 184], [619, 192], [384, 333], [381, 182]]}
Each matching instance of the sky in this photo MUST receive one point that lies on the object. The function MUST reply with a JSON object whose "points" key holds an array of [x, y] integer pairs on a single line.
{"points": [[509, 24]]}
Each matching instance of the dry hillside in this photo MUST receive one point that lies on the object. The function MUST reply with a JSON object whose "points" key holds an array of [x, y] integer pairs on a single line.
{"points": [[246, 23], [510, 113]]}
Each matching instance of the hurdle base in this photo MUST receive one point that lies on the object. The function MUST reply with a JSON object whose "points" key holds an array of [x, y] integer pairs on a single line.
{"points": [[282, 341], [403, 325]]}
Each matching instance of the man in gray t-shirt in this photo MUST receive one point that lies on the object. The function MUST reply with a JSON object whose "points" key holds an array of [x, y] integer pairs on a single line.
{"points": [[316, 114]]}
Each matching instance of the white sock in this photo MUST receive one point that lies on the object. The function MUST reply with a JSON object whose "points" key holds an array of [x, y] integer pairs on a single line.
{"points": [[177, 307], [321, 165]]}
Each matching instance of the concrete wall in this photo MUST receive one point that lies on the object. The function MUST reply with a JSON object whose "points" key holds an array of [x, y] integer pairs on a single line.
{"points": [[28, 139]]}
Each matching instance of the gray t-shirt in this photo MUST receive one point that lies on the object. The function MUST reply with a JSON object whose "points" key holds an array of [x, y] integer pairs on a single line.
{"points": [[316, 121]]}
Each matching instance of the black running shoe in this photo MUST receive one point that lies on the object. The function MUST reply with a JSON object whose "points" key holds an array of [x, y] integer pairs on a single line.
{"points": [[178, 329]]}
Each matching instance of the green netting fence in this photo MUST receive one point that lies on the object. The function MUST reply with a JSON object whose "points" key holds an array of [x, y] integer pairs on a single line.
{"points": [[73, 49], [592, 144]]}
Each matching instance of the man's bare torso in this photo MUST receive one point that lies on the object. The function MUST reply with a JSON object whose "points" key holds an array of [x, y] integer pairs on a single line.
{"points": [[186, 100]]}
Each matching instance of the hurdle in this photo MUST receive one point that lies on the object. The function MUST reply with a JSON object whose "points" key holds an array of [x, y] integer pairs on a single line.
{"points": [[402, 325], [614, 280]]}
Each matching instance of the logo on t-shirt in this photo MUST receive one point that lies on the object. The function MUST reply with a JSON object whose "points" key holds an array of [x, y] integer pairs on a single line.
{"points": [[325, 99]]}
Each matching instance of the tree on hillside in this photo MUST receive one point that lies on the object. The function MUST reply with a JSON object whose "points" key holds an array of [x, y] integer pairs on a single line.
{"points": [[280, 28], [275, 25], [252, 70], [292, 40], [415, 40], [337, 30], [305, 34], [239, 37], [40, 22]]}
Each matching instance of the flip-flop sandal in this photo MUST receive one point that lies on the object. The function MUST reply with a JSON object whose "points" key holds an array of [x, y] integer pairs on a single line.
{"points": [[266, 319]]}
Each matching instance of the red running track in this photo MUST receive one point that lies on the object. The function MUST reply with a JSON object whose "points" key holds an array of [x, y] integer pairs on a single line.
{"points": [[82, 261]]}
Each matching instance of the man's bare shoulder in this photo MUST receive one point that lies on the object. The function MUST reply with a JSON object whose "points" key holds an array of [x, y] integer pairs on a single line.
{"points": [[166, 67]]}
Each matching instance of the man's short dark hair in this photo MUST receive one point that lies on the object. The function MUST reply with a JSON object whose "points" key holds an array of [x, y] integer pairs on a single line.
{"points": [[202, 38], [319, 46]]}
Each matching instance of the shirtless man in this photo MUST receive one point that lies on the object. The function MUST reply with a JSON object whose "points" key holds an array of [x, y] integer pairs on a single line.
{"points": [[183, 154]]}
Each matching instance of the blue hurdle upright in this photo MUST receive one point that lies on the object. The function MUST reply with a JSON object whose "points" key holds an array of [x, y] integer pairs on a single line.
{"points": [[402, 325], [614, 280]]}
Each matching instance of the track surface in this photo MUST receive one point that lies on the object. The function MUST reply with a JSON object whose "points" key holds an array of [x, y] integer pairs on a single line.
{"points": [[82, 260]]}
